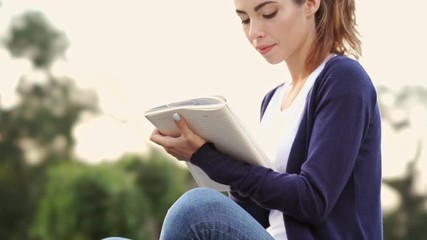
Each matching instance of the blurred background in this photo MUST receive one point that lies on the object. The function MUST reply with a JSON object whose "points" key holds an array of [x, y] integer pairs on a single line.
{"points": [[76, 77]]}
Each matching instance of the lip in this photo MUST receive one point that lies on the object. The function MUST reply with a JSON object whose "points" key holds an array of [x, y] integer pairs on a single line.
{"points": [[264, 49]]}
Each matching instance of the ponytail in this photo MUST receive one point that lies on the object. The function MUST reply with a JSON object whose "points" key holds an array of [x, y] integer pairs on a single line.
{"points": [[336, 31]]}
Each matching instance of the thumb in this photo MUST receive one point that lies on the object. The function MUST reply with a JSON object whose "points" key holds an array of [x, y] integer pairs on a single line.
{"points": [[181, 123]]}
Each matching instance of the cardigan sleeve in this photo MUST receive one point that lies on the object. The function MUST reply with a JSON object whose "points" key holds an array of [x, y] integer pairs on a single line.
{"points": [[343, 104]]}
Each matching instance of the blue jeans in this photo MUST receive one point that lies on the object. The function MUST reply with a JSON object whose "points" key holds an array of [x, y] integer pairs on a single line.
{"points": [[204, 213]]}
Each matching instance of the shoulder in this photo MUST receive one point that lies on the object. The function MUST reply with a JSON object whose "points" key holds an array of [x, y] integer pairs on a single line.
{"points": [[341, 66], [344, 76]]}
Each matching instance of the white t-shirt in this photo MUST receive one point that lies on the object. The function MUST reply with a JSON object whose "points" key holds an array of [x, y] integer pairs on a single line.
{"points": [[278, 129]]}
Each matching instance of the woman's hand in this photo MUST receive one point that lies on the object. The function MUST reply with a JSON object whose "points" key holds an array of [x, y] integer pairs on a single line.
{"points": [[183, 146]]}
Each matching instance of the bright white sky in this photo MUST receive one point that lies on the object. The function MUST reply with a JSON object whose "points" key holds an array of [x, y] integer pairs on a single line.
{"points": [[138, 54]]}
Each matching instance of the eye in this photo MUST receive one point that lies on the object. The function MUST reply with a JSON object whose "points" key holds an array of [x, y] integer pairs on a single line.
{"points": [[271, 15], [245, 21]]}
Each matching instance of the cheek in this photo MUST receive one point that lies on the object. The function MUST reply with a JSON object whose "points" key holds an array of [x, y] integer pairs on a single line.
{"points": [[287, 32], [287, 24]]}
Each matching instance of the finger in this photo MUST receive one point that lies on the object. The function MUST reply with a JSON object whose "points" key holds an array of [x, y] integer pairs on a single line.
{"points": [[182, 124], [156, 132], [159, 139], [155, 138]]}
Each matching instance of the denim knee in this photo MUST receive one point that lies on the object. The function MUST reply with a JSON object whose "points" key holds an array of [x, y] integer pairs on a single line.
{"points": [[196, 201], [202, 194]]}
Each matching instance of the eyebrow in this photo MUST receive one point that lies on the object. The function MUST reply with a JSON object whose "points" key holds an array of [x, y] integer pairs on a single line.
{"points": [[256, 8]]}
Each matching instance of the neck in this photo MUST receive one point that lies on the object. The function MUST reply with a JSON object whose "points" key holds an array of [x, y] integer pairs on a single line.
{"points": [[296, 62], [297, 71]]}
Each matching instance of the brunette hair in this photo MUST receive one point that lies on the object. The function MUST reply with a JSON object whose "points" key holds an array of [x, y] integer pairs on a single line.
{"points": [[336, 31]]}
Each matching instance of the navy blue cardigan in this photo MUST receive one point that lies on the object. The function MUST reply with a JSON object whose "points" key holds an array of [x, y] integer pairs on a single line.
{"points": [[331, 189]]}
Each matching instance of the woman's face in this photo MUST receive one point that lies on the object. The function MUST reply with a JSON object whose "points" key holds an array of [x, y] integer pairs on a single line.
{"points": [[279, 30]]}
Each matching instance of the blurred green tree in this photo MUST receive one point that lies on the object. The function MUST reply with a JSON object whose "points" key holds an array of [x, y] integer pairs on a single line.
{"points": [[14, 178], [409, 220], [39, 127], [85, 202], [45, 192], [31, 36], [126, 198], [161, 181]]}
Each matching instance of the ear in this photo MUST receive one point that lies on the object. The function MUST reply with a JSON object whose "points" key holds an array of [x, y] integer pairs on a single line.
{"points": [[311, 7]]}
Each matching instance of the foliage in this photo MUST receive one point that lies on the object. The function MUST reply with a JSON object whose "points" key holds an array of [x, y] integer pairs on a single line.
{"points": [[15, 192], [127, 198], [48, 111], [37, 129], [402, 100], [162, 182], [31, 36], [409, 219], [45, 192], [90, 202]]}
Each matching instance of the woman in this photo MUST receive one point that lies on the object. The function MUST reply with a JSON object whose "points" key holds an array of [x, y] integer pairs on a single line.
{"points": [[322, 131]]}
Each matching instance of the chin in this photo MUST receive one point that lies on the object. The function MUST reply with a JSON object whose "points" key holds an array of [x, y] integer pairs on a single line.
{"points": [[273, 61]]}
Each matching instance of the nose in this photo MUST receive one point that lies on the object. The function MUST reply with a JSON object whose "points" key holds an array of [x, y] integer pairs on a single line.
{"points": [[255, 30]]}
